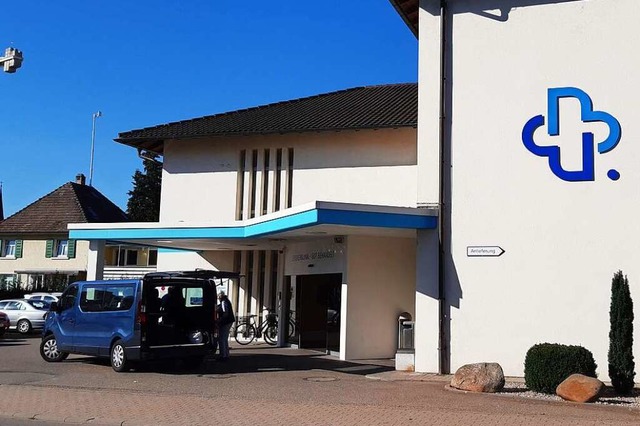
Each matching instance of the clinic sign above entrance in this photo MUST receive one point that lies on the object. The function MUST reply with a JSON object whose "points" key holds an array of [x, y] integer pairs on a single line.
{"points": [[588, 115], [323, 256]]}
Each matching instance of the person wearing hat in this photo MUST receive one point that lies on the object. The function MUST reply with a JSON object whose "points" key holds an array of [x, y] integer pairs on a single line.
{"points": [[224, 320]]}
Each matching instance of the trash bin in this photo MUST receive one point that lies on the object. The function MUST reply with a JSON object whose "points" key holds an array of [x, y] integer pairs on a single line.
{"points": [[405, 331]]}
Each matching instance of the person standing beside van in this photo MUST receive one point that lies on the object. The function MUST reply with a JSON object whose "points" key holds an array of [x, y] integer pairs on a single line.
{"points": [[224, 319]]}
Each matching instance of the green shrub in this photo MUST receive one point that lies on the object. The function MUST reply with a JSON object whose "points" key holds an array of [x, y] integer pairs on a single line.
{"points": [[548, 364], [621, 365]]}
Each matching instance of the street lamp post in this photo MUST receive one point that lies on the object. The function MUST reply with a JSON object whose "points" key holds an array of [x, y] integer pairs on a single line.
{"points": [[93, 142]]}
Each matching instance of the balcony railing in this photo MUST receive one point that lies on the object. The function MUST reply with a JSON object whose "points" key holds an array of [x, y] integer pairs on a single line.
{"points": [[126, 272]]}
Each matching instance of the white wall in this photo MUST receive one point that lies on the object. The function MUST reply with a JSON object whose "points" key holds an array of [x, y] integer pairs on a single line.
{"points": [[380, 285], [189, 260], [370, 166], [563, 240], [33, 258]]}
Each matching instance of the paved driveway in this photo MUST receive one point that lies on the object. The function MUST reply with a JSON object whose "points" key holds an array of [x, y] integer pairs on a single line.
{"points": [[259, 385]]}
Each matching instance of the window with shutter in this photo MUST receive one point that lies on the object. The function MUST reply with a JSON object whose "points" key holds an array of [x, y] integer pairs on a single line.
{"points": [[71, 249], [49, 250], [61, 248], [8, 249], [18, 249]]}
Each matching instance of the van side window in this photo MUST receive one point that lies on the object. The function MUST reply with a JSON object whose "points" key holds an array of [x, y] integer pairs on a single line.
{"points": [[118, 298], [68, 298], [91, 298]]}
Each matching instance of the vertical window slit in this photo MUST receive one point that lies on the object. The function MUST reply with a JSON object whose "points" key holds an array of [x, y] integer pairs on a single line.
{"points": [[265, 182], [278, 179], [254, 174], [240, 188], [290, 179]]}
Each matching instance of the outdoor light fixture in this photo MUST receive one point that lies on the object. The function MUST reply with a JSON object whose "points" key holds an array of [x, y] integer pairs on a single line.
{"points": [[12, 60], [146, 155]]}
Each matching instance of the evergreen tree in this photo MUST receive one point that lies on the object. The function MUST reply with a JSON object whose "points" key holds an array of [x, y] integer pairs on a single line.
{"points": [[621, 365], [144, 198]]}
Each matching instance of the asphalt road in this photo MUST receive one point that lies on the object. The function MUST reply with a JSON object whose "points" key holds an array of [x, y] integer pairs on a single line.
{"points": [[259, 385]]}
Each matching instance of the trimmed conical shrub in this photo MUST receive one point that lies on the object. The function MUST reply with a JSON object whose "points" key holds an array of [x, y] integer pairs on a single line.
{"points": [[621, 365]]}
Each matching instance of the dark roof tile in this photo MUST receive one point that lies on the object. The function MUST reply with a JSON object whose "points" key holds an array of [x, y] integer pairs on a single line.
{"points": [[70, 203], [372, 107]]}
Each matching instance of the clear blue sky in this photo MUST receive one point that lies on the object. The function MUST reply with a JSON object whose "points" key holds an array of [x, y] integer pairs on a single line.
{"points": [[150, 62]]}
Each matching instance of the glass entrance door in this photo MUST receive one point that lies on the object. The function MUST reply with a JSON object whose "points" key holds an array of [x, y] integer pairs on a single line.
{"points": [[318, 311]]}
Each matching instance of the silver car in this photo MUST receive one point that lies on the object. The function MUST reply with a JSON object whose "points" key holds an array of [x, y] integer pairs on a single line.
{"points": [[25, 315]]}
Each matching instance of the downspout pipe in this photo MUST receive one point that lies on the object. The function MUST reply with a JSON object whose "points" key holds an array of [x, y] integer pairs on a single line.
{"points": [[443, 366]]}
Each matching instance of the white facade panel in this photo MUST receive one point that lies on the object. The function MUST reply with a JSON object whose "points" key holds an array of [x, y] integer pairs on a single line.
{"points": [[200, 179], [380, 285], [174, 260], [198, 182], [563, 240]]}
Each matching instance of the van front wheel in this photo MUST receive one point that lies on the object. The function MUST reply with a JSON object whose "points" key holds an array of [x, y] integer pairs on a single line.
{"points": [[118, 357], [49, 350]]}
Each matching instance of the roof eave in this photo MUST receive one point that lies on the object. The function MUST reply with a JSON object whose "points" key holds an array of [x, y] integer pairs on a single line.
{"points": [[403, 11], [159, 143]]}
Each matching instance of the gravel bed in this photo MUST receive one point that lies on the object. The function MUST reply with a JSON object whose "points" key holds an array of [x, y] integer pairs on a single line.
{"points": [[609, 397]]}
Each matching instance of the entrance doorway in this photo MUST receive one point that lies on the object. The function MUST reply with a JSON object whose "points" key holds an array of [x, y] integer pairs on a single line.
{"points": [[316, 302]]}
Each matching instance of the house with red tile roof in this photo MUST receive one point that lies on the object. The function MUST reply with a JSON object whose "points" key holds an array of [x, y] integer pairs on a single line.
{"points": [[35, 249]]}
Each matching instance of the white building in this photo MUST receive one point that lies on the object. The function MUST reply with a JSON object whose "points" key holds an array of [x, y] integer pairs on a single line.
{"points": [[312, 200], [564, 234], [477, 225]]}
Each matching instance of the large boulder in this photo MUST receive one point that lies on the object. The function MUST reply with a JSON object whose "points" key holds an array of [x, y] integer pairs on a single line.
{"points": [[579, 388], [481, 377]]}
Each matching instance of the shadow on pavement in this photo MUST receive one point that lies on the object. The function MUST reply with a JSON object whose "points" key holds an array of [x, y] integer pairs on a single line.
{"points": [[12, 341], [256, 360]]}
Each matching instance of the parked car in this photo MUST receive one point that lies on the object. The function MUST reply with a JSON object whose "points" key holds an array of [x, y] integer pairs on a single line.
{"points": [[25, 315], [4, 323], [127, 321], [47, 297]]}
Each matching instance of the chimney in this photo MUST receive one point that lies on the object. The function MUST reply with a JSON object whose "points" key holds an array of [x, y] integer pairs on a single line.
{"points": [[80, 179]]}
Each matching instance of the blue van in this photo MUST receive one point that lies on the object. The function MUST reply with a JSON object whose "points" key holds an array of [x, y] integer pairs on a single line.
{"points": [[163, 315]]}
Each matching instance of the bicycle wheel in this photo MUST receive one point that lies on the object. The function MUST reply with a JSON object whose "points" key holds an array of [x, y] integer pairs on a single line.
{"points": [[291, 329], [245, 333], [271, 334]]}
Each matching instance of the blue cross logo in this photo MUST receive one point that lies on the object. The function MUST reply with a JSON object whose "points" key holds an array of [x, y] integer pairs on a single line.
{"points": [[588, 149]]}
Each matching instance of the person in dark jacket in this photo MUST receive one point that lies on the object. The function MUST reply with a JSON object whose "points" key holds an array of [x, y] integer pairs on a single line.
{"points": [[224, 320]]}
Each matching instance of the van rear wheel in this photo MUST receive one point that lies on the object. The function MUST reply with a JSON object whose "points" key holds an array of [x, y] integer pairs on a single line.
{"points": [[118, 357], [49, 350]]}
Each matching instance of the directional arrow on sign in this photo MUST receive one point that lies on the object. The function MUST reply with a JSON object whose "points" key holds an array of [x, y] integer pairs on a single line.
{"points": [[484, 251]]}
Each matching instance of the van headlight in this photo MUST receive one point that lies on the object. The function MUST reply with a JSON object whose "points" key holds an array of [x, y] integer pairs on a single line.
{"points": [[195, 337]]}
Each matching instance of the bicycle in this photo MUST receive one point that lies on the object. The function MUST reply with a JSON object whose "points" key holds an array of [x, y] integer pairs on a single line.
{"points": [[292, 324], [246, 331]]}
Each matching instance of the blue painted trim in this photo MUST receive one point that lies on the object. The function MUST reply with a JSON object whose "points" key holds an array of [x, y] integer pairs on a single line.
{"points": [[174, 250], [283, 224], [376, 219]]}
